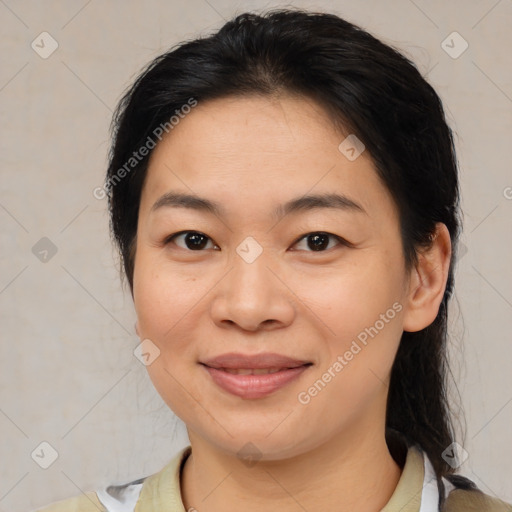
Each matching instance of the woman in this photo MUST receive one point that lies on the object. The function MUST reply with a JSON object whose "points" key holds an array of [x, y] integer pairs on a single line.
{"points": [[284, 195]]}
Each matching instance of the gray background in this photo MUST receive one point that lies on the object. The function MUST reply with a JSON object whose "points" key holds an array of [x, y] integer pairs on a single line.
{"points": [[68, 373]]}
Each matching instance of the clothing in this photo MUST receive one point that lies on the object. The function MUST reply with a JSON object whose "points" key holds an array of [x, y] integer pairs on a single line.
{"points": [[417, 491]]}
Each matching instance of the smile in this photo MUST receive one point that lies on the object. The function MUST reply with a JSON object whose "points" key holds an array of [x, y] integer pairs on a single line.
{"points": [[252, 371], [254, 383]]}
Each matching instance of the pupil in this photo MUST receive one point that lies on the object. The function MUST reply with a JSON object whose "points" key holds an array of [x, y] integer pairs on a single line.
{"points": [[195, 241], [318, 244]]}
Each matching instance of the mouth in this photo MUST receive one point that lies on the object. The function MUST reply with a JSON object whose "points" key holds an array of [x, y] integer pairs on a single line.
{"points": [[254, 383], [256, 371]]}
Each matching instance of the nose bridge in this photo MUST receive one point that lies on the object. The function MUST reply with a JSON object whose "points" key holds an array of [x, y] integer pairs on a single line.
{"points": [[250, 277], [250, 294]]}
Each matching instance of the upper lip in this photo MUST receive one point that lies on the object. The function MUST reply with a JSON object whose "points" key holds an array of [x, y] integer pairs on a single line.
{"points": [[257, 361]]}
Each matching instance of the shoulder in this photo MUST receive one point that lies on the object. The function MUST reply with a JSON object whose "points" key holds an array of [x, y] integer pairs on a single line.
{"points": [[160, 491], [87, 502], [473, 500], [114, 498]]}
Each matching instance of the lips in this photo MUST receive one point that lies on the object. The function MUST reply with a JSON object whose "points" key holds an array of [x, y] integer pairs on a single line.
{"points": [[266, 360], [252, 371], [253, 376]]}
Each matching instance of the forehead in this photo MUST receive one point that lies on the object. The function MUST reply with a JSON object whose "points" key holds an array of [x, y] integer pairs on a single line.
{"points": [[245, 127], [258, 150]]}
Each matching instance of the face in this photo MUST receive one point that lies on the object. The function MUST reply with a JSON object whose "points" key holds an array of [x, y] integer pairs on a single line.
{"points": [[322, 284]]}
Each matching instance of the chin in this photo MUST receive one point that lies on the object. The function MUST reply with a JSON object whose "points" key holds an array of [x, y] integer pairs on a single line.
{"points": [[256, 445]]}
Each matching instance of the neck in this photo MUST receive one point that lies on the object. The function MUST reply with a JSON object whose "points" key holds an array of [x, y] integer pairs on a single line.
{"points": [[353, 471]]}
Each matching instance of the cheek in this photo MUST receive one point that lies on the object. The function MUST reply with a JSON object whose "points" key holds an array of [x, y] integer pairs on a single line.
{"points": [[352, 298], [163, 300], [360, 312], [162, 296]]}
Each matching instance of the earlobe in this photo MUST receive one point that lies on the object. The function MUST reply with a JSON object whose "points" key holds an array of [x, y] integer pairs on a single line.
{"points": [[137, 328], [428, 282]]}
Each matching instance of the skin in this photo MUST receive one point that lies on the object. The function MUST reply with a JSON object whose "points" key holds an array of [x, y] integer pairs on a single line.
{"points": [[251, 154]]}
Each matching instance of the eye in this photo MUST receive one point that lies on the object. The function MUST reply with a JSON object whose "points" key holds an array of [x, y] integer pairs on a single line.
{"points": [[193, 240], [319, 241], [196, 241]]}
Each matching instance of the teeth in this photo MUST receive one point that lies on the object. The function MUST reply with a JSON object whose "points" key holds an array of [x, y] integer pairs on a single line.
{"points": [[252, 371]]}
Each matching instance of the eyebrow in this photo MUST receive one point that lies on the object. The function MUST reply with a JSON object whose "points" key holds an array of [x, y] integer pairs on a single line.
{"points": [[299, 204]]}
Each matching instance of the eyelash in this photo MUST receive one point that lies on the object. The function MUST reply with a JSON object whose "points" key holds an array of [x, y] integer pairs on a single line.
{"points": [[341, 241]]}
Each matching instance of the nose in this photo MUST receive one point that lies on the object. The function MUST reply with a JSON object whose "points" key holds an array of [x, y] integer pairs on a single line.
{"points": [[253, 296]]}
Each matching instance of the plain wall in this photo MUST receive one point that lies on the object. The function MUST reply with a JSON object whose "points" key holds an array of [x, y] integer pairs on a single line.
{"points": [[68, 373]]}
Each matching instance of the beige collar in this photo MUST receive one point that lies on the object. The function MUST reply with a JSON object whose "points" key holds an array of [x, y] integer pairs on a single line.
{"points": [[161, 491]]}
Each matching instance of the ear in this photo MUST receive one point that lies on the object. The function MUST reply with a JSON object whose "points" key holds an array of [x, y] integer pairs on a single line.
{"points": [[427, 281], [137, 328]]}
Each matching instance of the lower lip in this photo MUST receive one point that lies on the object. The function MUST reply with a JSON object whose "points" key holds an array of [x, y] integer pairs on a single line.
{"points": [[254, 386]]}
